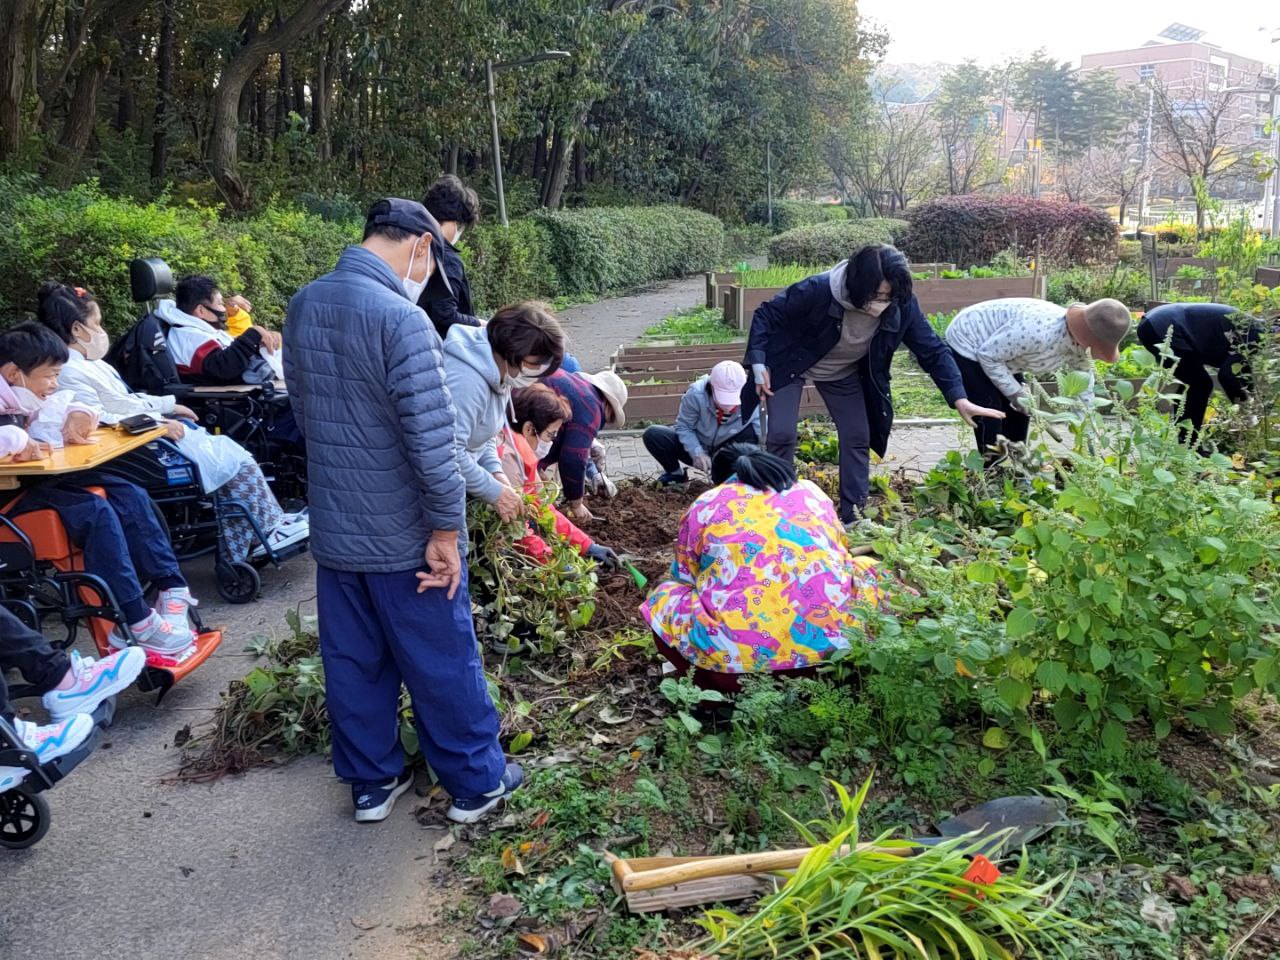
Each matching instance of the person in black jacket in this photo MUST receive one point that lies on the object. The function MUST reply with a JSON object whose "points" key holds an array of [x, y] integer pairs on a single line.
{"points": [[839, 330], [1202, 335], [447, 298]]}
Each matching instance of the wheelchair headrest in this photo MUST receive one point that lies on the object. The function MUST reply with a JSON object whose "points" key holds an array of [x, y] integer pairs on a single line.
{"points": [[149, 279]]}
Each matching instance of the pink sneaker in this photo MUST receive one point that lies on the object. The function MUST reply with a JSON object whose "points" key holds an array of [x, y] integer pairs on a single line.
{"points": [[95, 681], [56, 739]]}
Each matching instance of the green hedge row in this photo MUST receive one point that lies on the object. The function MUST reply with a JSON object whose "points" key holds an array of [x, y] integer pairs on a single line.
{"points": [[789, 214], [83, 237], [829, 243], [600, 249]]}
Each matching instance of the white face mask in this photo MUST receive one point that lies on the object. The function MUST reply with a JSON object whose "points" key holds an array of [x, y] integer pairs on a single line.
{"points": [[413, 288], [527, 376], [28, 402], [875, 308], [96, 347], [457, 234], [542, 449]]}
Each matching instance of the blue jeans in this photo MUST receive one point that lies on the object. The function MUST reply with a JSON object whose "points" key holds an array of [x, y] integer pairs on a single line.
{"points": [[376, 632], [122, 541]]}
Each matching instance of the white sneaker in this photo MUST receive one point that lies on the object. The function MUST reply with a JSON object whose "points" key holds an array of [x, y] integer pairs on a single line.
{"points": [[295, 528], [10, 777], [160, 636], [95, 681], [55, 739]]}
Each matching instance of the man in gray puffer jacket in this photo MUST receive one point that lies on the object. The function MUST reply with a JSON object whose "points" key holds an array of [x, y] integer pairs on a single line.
{"points": [[363, 368]]}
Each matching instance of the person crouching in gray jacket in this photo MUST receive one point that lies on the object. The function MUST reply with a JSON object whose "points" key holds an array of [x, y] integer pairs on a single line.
{"points": [[710, 417], [519, 345], [388, 523]]}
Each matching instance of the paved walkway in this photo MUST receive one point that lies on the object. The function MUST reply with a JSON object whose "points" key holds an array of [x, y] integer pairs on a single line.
{"points": [[913, 447], [597, 329]]}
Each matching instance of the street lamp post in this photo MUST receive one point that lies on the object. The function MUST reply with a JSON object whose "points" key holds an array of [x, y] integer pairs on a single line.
{"points": [[490, 68]]}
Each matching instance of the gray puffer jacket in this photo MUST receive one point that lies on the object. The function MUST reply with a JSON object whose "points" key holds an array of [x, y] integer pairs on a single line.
{"points": [[479, 399], [365, 377]]}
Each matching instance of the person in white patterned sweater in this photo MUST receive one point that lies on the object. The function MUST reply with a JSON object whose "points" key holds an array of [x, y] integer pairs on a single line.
{"points": [[995, 343]]}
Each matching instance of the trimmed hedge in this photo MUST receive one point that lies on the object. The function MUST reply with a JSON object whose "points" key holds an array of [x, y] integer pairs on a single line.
{"points": [[599, 249], [969, 230], [829, 243], [82, 237], [789, 214], [506, 266]]}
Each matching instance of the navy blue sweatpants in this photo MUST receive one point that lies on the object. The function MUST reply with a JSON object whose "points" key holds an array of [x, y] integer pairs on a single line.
{"points": [[376, 632], [122, 540]]}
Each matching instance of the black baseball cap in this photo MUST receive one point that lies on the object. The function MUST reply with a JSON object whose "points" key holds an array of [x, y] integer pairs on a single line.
{"points": [[406, 214]]}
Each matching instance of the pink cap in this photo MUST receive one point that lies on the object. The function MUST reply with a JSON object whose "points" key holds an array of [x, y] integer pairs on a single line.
{"points": [[727, 380]]}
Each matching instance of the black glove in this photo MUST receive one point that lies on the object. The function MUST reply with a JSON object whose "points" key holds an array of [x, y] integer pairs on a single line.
{"points": [[605, 556]]}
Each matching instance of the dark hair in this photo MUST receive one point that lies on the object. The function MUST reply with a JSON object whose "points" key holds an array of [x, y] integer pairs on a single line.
{"points": [[30, 345], [870, 266], [538, 405], [526, 330], [753, 466], [195, 291], [388, 232], [60, 308], [451, 199]]}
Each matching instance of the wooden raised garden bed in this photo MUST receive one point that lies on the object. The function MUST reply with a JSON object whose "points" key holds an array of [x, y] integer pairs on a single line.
{"points": [[1267, 276], [717, 285]]}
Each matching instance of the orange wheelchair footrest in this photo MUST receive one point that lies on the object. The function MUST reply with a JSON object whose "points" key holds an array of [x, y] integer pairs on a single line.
{"points": [[182, 664]]}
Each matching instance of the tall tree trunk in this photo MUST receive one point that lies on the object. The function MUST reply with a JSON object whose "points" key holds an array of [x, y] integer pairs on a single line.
{"points": [[579, 165], [17, 41], [164, 90], [260, 115], [540, 149], [81, 113], [284, 92], [300, 96], [320, 99], [224, 147], [451, 164]]}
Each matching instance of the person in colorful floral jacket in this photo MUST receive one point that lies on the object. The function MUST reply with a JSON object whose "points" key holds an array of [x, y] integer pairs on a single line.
{"points": [[762, 581]]}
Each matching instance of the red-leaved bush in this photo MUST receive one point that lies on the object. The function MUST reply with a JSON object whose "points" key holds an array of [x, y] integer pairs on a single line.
{"points": [[970, 230]]}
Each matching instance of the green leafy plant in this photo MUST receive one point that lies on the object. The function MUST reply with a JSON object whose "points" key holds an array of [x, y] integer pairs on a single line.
{"points": [[1101, 816], [694, 325], [884, 903]]}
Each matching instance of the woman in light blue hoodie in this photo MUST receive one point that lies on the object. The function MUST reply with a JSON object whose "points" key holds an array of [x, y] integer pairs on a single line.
{"points": [[519, 345]]}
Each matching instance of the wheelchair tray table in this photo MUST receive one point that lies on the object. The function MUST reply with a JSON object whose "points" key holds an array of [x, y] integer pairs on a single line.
{"points": [[111, 443]]}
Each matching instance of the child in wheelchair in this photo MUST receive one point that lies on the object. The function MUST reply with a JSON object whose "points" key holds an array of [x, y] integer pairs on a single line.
{"points": [[120, 537], [74, 316], [72, 687]]}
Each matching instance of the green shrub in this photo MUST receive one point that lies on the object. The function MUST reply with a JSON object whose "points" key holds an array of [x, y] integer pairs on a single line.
{"points": [[789, 214], [598, 250], [1085, 284], [741, 243], [82, 237], [508, 265], [829, 243], [967, 230]]}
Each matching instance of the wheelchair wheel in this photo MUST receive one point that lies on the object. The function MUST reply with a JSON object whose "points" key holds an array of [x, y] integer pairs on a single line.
{"points": [[238, 582], [24, 818]]}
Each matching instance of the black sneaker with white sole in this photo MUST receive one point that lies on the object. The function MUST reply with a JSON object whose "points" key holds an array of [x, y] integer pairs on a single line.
{"points": [[374, 801], [471, 809]]}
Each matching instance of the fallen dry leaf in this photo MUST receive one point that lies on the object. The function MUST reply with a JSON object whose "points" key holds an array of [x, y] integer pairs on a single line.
{"points": [[1180, 887], [540, 820], [502, 905], [364, 923], [510, 862], [444, 843]]}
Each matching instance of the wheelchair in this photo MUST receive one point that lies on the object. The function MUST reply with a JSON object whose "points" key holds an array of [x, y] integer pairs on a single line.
{"points": [[24, 812], [247, 414], [42, 576], [195, 520]]}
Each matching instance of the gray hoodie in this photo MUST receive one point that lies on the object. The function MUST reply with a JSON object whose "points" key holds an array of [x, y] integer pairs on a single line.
{"points": [[480, 400]]}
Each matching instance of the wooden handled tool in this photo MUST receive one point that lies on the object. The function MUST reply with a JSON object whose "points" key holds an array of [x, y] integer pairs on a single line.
{"points": [[649, 873]]}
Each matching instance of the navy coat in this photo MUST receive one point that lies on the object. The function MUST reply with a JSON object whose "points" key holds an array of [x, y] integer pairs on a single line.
{"points": [[798, 327]]}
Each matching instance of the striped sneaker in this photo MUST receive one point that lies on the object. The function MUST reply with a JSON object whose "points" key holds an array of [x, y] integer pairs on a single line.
{"points": [[56, 739]]}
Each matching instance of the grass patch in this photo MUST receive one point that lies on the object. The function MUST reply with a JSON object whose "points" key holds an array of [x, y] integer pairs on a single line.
{"points": [[693, 326]]}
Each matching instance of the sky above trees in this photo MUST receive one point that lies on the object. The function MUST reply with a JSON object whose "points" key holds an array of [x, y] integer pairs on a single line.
{"points": [[991, 31]]}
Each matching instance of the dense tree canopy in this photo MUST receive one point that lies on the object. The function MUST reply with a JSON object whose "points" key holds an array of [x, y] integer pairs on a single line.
{"points": [[239, 100]]}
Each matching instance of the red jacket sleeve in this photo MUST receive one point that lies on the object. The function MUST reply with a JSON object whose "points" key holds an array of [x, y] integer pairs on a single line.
{"points": [[570, 531]]}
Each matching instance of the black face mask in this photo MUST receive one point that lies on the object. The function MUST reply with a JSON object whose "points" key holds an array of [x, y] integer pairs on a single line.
{"points": [[220, 314]]}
